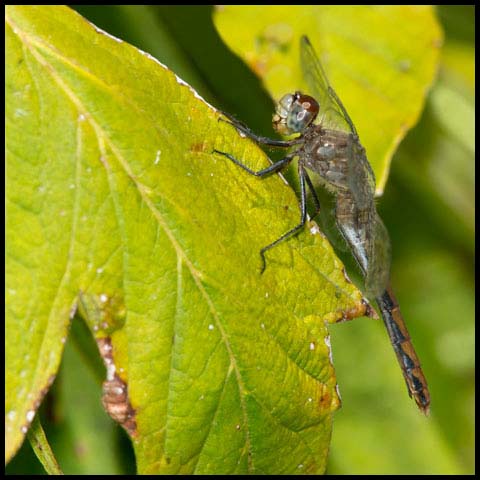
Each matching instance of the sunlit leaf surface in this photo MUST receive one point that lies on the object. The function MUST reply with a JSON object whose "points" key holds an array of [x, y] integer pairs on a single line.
{"points": [[117, 207]]}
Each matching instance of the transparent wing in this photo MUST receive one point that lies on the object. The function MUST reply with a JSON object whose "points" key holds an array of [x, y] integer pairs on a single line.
{"points": [[378, 269], [332, 112]]}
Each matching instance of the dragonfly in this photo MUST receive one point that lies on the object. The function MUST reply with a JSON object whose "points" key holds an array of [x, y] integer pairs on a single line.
{"points": [[329, 146]]}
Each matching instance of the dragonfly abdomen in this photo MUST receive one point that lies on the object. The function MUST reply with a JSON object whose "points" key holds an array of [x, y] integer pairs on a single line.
{"points": [[406, 355]]}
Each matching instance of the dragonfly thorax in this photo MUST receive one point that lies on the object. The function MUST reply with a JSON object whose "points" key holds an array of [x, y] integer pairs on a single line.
{"points": [[294, 113]]}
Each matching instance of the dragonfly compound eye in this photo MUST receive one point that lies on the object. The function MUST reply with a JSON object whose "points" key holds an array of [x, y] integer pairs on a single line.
{"points": [[294, 113]]}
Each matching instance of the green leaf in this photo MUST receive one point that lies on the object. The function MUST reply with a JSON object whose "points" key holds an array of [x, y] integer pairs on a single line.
{"points": [[42, 449], [437, 159], [380, 61], [116, 205]]}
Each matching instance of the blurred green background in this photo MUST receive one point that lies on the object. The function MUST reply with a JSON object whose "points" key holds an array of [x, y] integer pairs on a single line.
{"points": [[428, 207]]}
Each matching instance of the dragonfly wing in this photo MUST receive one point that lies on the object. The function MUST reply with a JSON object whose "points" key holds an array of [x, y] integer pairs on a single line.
{"points": [[333, 114], [379, 258]]}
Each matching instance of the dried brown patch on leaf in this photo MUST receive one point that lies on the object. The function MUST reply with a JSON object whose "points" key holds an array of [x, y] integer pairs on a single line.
{"points": [[117, 405], [325, 398], [369, 310], [197, 147], [115, 391], [364, 309]]}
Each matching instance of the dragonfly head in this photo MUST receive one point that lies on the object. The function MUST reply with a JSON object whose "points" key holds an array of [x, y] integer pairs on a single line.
{"points": [[294, 113]]}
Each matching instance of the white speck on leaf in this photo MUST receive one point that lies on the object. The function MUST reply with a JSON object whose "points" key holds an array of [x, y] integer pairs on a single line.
{"points": [[19, 112], [118, 390], [111, 371]]}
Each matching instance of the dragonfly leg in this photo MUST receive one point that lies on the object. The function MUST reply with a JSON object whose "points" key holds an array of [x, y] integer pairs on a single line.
{"points": [[303, 207], [258, 138], [260, 173], [314, 195]]}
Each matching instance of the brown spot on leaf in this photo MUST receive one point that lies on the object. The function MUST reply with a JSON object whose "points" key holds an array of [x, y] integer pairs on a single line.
{"points": [[197, 147], [324, 397], [117, 405], [369, 310], [115, 391], [325, 401], [364, 309]]}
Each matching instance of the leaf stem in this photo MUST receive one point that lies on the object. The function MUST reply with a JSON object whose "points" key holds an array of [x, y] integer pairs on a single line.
{"points": [[41, 447]]}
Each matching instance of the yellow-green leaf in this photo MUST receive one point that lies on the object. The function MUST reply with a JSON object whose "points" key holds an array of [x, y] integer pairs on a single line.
{"points": [[381, 61], [117, 206]]}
